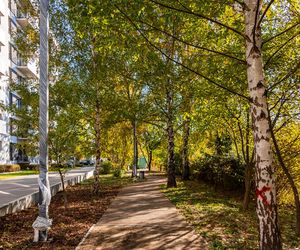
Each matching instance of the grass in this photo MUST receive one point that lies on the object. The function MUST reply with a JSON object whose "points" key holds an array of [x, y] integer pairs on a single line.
{"points": [[9, 175], [16, 174], [218, 217]]}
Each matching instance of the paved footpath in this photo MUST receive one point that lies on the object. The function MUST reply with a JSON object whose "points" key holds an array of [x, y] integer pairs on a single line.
{"points": [[141, 217]]}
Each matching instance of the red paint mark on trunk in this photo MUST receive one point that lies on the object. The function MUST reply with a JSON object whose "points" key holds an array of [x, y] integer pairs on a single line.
{"points": [[261, 194]]}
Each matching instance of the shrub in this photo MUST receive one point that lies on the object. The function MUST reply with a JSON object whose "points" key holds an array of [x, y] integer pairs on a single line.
{"points": [[57, 166], [28, 166], [221, 171], [118, 172], [9, 168], [24, 165], [106, 167], [33, 167]]}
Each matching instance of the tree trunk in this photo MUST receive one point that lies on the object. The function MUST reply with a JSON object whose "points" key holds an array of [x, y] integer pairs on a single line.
{"points": [[97, 128], [249, 166], [269, 234], [43, 223], [248, 179], [170, 130], [289, 177], [149, 160], [62, 180], [171, 163], [135, 150], [185, 152]]}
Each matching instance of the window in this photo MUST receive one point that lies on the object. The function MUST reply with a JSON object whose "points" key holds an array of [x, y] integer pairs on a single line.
{"points": [[12, 5], [14, 77], [12, 27], [13, 152], [14, 100], [13, 127], [13, 54]]}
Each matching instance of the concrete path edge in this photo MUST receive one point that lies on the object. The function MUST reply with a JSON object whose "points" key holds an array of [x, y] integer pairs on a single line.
{"points": [[32, 199]]}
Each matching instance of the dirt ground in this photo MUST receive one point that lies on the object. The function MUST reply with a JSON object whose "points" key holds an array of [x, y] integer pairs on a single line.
{"points": [[69, 225]]}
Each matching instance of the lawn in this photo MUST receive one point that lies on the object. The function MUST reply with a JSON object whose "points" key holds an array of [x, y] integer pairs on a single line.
{"points": [[9, 175], [219, 218], [69, 225], [16, 174]]}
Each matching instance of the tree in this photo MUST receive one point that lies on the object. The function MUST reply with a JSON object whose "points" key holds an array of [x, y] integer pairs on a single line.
{"points": [[152, 139]]}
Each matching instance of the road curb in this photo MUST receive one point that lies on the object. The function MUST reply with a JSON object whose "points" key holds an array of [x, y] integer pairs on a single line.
{"points": [[32, 199]]}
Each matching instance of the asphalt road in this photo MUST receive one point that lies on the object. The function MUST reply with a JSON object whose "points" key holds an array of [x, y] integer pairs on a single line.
{"points": [[14, 188]]}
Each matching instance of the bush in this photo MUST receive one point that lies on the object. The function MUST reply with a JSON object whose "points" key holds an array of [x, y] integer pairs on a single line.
{"points": [[57, 166], [33, 167], [221, 171], [28, 166], [24, 165], [106, 167], [9, 168], [118, 172]]}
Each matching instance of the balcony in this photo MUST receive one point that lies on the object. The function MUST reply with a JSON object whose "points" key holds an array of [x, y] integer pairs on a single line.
{"points": [[27, 67], [22, 19]]}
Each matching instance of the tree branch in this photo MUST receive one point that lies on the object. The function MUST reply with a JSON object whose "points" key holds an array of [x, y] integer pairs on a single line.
{"points": [[264, 13], [280, 47], [194, 45], [285, 77], [279, 34], [179, 63], [190, 12], [255, 23]]}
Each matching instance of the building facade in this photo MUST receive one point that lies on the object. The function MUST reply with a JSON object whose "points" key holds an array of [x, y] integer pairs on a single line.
{"points": [[14, 68]]}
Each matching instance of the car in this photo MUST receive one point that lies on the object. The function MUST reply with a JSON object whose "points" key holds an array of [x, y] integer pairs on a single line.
{"points": [[86, 162]]}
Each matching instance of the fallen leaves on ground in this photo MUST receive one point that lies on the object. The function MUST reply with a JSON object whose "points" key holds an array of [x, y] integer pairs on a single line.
{"points": [[69, 225]]}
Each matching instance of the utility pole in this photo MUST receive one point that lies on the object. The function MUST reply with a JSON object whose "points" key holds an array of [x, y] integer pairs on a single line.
{"points": [[42, 223]]}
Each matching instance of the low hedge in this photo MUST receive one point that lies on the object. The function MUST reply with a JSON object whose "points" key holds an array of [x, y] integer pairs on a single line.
{"points": [[32, 167], [106, 167], [118, 172], [9, 168], [57, 166]]}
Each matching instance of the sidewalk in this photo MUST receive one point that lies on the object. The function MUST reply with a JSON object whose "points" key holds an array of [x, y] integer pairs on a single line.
{"points": [[21, 192], [141, 217]]}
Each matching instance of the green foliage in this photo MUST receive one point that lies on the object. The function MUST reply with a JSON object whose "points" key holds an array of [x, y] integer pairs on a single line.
{"points": [[34, 167], [57, 166], [24, 166], [118, 172], [178, 163], [221, 171], [27, 166], [106, 167]]}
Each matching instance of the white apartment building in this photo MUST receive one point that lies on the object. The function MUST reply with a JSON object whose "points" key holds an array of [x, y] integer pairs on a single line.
{"points": [[13, 19]]}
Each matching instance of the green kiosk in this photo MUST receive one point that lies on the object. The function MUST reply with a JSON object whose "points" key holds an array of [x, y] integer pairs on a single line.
{"points": [[142, 167]]}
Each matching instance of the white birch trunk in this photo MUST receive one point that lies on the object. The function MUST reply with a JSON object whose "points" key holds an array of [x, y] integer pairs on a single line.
{"points": [[264, 171]]}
